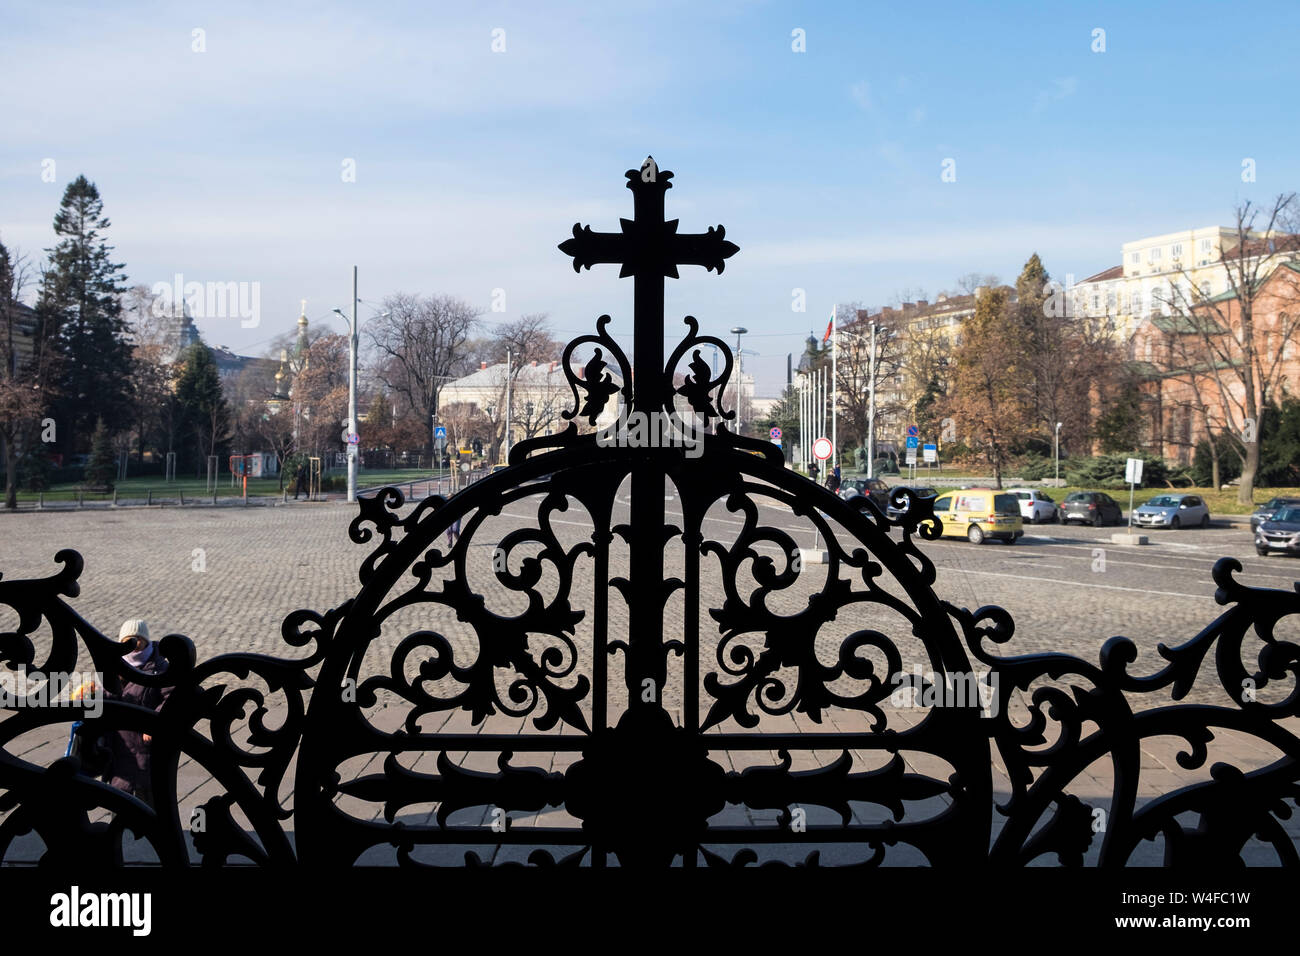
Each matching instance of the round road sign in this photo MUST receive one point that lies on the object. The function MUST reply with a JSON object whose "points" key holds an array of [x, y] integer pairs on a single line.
{"points": [[775, 434], [822, 449]]}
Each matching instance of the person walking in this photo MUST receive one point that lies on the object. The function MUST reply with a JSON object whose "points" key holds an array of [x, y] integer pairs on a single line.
{"points": [[453, 532], [300, 479]]}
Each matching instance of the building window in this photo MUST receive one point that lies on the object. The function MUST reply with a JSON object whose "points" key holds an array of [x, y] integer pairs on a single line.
{"points": [[1205, 247], [1137, 303], [1147, 350], [1205, 289], [1154, 254], [1176, 251], [1135, 258]]}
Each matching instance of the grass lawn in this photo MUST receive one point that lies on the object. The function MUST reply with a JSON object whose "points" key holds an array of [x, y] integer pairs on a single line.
{"points": [[197, 488]]}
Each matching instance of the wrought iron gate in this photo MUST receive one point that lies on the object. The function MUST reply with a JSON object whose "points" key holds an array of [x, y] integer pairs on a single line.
{"points": [[622, 662]]}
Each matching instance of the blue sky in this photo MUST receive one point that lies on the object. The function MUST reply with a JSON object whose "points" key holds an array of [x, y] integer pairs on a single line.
{"points": [[471, 165]]}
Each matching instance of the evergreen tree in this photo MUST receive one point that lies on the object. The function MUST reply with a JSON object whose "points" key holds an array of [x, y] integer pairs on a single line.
{"points": [[202, 416], [101, 468], [79, 303]]}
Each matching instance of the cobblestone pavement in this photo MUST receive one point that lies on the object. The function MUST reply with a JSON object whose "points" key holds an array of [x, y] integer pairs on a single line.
{"points": [[226, 577]]}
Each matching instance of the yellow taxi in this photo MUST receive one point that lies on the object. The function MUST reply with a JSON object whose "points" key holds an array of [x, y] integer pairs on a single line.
{"points": [[979, 513]]}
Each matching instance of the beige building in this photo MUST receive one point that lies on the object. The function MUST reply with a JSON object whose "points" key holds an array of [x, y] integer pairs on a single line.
{"points": [[1159, 276], [539, 393]]}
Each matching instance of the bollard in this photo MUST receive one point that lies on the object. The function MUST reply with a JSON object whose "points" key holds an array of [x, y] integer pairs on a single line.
{"points": [[182, 494], [79, 495], [41, 503], [115, 496], [149, 500]]}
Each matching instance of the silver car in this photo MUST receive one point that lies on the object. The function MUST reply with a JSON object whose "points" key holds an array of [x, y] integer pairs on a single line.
{"points": [[1173, 511]]}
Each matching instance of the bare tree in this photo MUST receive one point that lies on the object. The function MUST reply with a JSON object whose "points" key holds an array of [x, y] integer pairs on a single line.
{"points": [[417, 340], [1242, 351], [854, 368], [527, 339], [28, 356]]}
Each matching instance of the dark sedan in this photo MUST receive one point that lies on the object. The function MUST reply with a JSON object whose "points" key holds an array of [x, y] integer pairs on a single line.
{"points": [[917, 492], [874, 487], [1267, 510], [1090, 507], [1279, 533]]}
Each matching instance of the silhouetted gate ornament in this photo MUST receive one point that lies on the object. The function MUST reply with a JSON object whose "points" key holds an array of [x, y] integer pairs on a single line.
{"points": [[645, 782]]}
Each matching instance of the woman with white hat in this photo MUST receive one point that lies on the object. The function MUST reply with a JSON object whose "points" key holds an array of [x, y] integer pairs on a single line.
{"points": [[130, 749]]}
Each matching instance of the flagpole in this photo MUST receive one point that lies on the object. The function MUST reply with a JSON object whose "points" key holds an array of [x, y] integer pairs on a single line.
{"points": [[835, 456]]}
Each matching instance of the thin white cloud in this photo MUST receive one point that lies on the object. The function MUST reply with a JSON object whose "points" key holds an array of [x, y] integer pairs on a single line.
{"points": [[1060, 90]]}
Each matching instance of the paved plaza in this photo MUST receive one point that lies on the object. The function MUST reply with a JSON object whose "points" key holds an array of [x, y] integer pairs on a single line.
{"points": [[227, 576]]}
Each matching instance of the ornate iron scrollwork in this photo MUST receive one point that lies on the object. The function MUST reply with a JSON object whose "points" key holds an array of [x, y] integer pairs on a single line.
{"points": [[545, 675]]}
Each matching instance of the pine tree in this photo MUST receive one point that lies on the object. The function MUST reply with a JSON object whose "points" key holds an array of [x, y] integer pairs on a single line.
{"points": [[101, 468], [202, 416], [79, 301]]}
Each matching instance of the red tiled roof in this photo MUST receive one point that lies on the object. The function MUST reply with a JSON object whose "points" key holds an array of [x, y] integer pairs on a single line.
{"points": [[1114, 272]]}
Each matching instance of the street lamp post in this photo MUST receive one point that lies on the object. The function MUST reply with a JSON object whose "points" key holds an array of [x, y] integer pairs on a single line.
{"points": [[871, 405], [354, 447], [738, 331], [1056, 451]]}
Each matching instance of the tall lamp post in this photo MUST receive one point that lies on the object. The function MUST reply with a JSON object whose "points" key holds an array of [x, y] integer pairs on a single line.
{"points": [[738, 331], [354, 448], [1056, 451]]}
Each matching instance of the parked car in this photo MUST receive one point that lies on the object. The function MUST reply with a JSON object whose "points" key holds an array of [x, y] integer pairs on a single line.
{"points": [[1281, 532], [917, 492], [1090, 507], [979, 513], [1271, 507], [1035, 505], [874, 487], [1173, 511]]}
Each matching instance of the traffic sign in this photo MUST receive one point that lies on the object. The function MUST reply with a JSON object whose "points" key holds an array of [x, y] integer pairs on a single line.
{"points": [[913, 442], [931, 452], [440, 432], [775, 434], [913, 432], [1133, 471], [353, 438], [823, 449]]}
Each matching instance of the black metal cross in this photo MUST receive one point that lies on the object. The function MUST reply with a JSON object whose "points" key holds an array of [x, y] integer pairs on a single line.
{"points": [[649, 249]]}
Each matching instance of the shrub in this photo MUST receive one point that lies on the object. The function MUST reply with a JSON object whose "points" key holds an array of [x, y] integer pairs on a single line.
{"points": [[1107, 471]]}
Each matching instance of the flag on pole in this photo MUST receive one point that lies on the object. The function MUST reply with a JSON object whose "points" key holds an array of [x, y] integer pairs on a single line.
{"points": [[830, 328]]}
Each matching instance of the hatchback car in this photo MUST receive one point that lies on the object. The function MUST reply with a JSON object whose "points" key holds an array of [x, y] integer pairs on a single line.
{"points": [[1269, 508], [1281, 532], [1173, 511], [1090, 507], [979, 513], [1035, 505], [876, 489], [892, 512]]}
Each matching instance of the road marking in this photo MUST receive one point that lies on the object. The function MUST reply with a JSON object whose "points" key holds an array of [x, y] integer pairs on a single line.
{"points": [[1078, 584]]}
